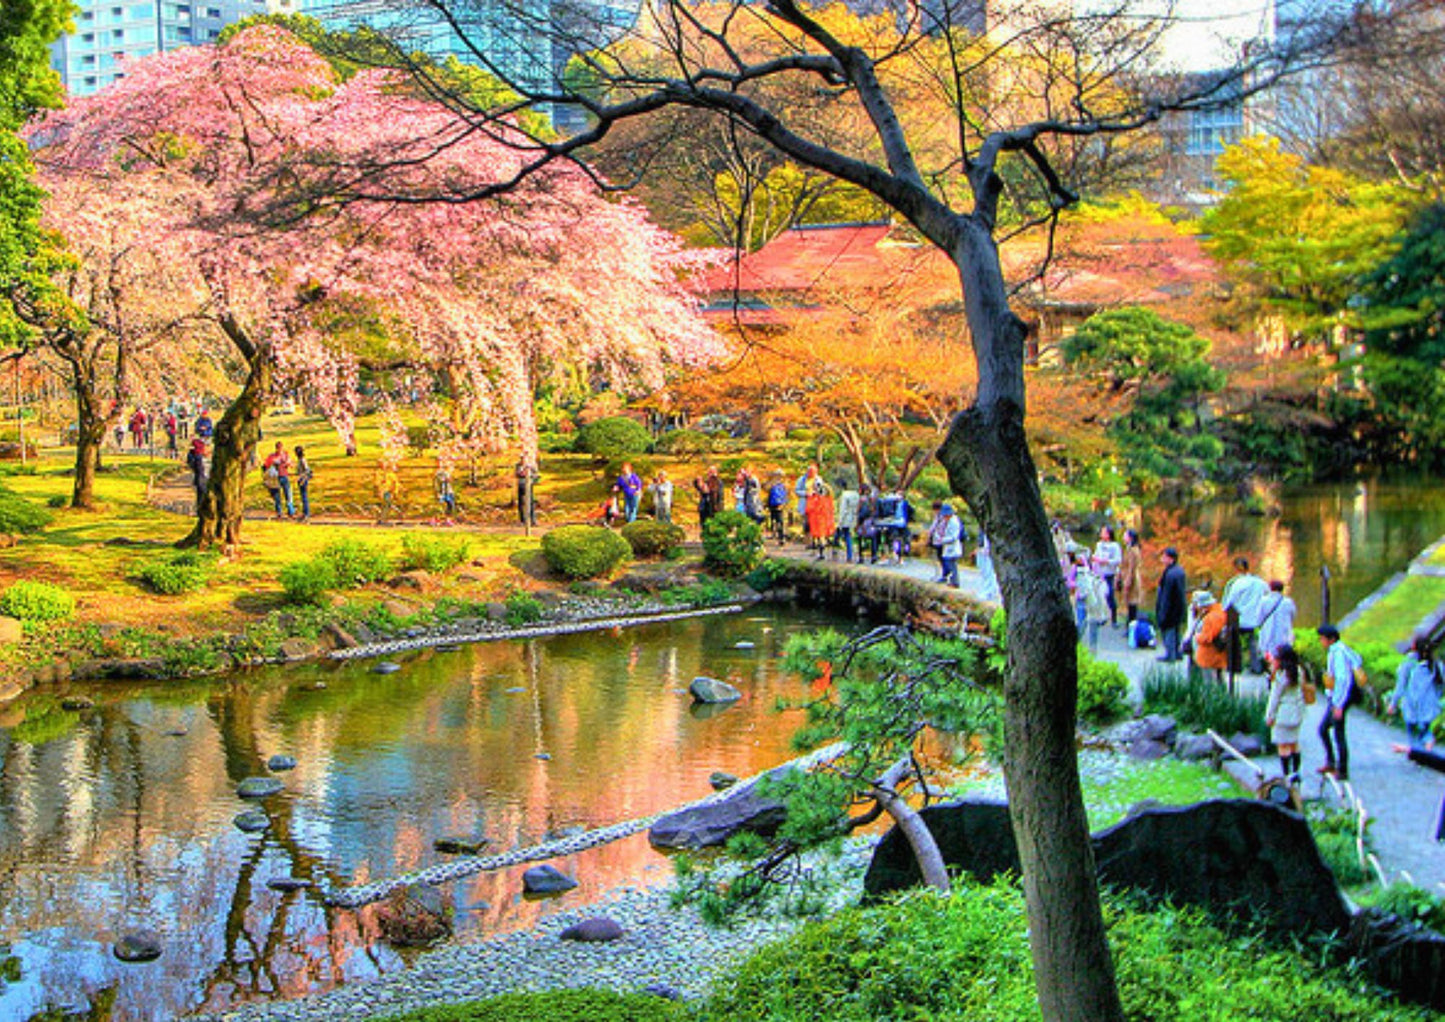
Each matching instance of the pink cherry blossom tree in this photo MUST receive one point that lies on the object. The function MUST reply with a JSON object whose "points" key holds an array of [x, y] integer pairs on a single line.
{"points": [[202, 144]]}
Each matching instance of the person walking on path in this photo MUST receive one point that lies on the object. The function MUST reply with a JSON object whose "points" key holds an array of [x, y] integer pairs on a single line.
{"points": [[1245, 594], [446, 493], [137, 428], [802, 489], [629, 486], [1097, 591], [709, 495], [820, 519], [661, 490], [527, 475], [935, 538], [303, 482], [1276, 624], [1130, 581], [171, 433], [848, 520], [276, 473], [1108, 557], [1210, 638], [200, 470], [1169, 604], [1285, 712], [204, 426], [983, 561], [867, 523], [1417, 694], [777, 504], [1343, 670], [949, 531]]}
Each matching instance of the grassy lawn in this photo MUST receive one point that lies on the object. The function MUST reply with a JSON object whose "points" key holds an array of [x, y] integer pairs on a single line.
{"points": [[1395, 618]]}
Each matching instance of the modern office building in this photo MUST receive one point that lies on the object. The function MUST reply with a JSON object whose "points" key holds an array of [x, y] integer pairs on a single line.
{"points": [[108, 33]]}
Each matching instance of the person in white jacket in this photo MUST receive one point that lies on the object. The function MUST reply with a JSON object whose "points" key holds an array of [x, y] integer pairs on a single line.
{"points": [[1276, 622], [950, 535]]}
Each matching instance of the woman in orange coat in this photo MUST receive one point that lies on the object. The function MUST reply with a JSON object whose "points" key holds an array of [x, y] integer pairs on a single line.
{"points": [[1210, 650], [819, 513]]}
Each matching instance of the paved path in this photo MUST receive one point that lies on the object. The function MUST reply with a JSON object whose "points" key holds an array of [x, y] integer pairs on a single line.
{"points": [[1401, 798]]}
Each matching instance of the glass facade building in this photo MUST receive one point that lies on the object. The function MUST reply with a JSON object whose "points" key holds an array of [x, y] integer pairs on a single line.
{"points": [[108, 33]]}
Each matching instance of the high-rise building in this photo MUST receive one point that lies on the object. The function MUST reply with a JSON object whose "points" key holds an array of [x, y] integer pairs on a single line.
{"points": [[108, 33]]}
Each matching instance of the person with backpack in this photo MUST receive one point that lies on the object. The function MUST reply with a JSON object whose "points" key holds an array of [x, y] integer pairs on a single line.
{"points": [[1417, 693], [777, 502], [276, 474], [1344, 674], [1276, 624]]}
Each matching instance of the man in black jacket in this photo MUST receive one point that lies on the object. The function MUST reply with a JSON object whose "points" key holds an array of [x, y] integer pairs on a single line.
{"points": [[1169, 605]]}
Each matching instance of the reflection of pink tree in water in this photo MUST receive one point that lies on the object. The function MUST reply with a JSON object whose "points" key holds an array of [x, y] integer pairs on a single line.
{"points": [[496, 298]]}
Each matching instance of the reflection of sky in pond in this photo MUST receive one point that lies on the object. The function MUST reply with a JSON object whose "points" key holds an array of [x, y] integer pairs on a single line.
{"points": [[117, 825]]}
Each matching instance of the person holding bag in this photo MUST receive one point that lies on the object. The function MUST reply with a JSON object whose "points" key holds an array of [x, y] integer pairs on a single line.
{"points": [[1344, 674], [1417, 694], [1285, 712]]}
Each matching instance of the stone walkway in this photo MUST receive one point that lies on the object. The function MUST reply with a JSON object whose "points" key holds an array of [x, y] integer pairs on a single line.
{"points": [[1402, 799]]}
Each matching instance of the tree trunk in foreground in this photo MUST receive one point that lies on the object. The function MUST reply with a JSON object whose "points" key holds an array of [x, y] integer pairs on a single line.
{"points": [[91, 420], [222, 507], [987, 457]]}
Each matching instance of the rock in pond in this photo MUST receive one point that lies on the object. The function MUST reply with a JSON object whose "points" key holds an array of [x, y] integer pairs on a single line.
{"points": [[710, 690], [279, 762], [138, 946], [460, 845], [298, 649], [285, 884], [259, 787], [744, 644], [708, 825], [386, 667], [721, 780], [77, 703], [546, 880], [597, 930], [542, 756], [252, 821]]}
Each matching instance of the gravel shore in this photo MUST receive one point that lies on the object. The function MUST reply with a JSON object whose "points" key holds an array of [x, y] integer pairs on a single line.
{"points": [[663, 946]]}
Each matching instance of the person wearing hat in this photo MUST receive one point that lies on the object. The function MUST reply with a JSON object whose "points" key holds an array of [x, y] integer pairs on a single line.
{"points": [[1169, 604], [1211, 649], [950, 535]]}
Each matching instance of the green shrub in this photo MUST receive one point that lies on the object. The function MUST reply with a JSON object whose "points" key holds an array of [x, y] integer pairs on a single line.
{"points": [[556, 443], [433, 553], [732, 543], [709, 593], [1103, 689], [18, 515], [966, 958], [523, 608], [183, 573], [308, 581], [584, 551], [1342, 855], [356, 563], [1409, 902], [552, 1006], [616, 437], [685, 443], [652, 539], [57, 500], [1200, 703], [932, 488], [36, 601], [767, 575]]}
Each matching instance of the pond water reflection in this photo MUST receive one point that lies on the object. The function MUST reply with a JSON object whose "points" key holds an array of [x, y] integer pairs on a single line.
{"points": [[125, 820]]}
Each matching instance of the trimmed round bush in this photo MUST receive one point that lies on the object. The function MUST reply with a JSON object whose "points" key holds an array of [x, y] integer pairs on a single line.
{"points": [[652, 539], [612, 438], [183, 573], [732, 543], [684, 443], [36, 601], [20, 515], [308, 581], [584, 551]]}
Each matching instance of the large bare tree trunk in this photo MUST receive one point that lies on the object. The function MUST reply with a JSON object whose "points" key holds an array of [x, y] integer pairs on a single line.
{"points": [[91, 418], [989, 464], [222, 507]]}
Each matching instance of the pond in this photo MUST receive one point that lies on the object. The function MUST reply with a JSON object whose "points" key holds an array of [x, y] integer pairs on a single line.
{"points": [[120, 817], [1364, 531]]}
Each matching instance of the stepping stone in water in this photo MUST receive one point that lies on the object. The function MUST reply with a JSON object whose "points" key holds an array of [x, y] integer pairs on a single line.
{"points": [[252, 821], [259, 787], [140, 946], [546, 880], [386, 667], [460, 845], [279, 762], [284, 884]]}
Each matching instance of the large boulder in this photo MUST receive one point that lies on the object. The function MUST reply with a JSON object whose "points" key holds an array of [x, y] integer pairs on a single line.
{"points": [[139, 946], [1401, 955], [1227, 854], [709, 690], [712, 824], [975, 837], [414, 916], [1232, 854]]}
